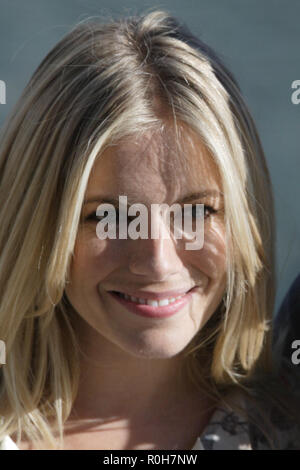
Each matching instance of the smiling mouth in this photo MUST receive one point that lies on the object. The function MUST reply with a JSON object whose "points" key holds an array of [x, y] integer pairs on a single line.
{"points": [[153, 308], [152, 302]]}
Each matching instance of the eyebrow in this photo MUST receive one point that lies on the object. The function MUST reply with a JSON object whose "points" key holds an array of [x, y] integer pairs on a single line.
{"points": [[202, 194], [189, 197]]}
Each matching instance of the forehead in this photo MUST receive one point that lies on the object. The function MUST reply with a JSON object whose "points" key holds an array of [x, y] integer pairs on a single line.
{"points": [[160, 164]]}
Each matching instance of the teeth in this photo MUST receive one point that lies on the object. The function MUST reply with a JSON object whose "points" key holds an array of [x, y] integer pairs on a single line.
{"points": [[163, 302], [153, 303]]}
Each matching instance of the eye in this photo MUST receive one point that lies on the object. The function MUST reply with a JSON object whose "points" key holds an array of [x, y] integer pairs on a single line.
{"points": [[93, 217], [208, 210]]}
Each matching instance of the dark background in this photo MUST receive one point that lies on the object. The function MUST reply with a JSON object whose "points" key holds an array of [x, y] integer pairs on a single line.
{"points": [[258, 39]]}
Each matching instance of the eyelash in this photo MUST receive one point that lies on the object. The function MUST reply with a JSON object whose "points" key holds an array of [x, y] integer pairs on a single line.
{"points": [[94, 218]]}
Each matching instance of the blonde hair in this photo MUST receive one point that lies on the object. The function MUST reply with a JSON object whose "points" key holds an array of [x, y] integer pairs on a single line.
{"points": [[102, 82]]}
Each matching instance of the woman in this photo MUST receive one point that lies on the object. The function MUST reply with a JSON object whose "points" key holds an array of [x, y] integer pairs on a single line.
{"points": [[140, 108]]}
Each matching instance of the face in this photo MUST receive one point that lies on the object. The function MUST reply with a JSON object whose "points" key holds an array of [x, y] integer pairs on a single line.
{"points": [[150, 169]]}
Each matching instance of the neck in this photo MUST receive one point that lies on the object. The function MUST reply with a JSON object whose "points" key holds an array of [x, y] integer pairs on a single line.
{"points": [[115, 385]]}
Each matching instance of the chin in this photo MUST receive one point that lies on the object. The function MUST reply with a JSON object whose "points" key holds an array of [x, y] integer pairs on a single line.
{"points": [[159, 347]]}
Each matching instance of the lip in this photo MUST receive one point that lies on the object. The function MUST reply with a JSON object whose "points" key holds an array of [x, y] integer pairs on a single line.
{"points": [[155, 312], [148, 295]]}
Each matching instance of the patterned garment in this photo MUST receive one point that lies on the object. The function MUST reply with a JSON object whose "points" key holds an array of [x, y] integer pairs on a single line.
{"points": [[225, 431], [228, 430]]}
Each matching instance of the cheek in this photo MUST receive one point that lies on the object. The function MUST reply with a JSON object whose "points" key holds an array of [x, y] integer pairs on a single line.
{"points": [[94, 259], [211, 259]]}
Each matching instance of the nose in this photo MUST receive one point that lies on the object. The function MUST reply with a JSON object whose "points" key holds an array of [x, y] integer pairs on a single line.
{"points": [[155, 258]]}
